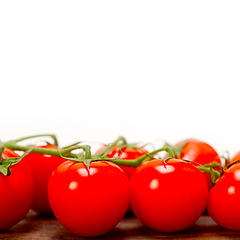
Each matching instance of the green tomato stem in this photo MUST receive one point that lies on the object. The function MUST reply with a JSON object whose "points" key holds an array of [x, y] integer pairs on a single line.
{"points": [[12, 144], [39, 135], [144, 158], [1, 151], [208, 170], [119, 139], [88, 157], [87, 150]]}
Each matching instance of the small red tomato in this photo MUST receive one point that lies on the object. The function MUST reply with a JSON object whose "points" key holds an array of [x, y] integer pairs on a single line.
{"points": [[170, 196], [224, 199], [16, 192], [42, 166], [127, 153], [89, 203], [235, 157], [199, 152]]}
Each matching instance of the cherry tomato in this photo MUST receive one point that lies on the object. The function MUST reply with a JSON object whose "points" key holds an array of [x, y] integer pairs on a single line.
{"points": [[199, 152], [170, 196], [42, 166], [235, 157], [125, 153], [223, 203], [16, 192], [89, 203]]}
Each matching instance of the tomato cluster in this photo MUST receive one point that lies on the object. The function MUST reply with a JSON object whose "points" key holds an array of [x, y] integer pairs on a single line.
{"points": [[90, 195]]}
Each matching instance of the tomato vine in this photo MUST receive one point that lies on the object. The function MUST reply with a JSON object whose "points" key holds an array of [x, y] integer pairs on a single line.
{"points": [[88, 157]]}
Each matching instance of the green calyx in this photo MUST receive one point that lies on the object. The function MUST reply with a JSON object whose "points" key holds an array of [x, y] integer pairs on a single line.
{"points": [[206, 168], [178, 149], [209, 168], [6, 163]]}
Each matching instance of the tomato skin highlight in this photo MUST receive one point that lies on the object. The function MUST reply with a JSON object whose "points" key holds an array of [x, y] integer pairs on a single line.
{"points": [[125, 153], [42, 166], [224, 199], [92, 203], [200, 152], [16, 192], [168, 197]]}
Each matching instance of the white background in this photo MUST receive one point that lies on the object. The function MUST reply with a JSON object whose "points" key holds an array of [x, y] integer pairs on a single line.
{"points": [[147, 70]]}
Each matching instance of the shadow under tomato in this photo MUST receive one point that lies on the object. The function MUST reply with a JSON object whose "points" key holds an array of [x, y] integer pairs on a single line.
{"points": [[33, 226], [36, 226], [205, 227]]}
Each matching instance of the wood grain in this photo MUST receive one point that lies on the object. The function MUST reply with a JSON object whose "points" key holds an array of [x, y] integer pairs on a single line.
{"points": [[36, 227]]}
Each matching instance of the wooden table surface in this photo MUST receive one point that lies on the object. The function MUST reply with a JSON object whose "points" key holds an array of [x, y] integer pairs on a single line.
{"points": [[35, 226]]}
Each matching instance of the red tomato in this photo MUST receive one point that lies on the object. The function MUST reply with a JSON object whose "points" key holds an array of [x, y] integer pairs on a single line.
{"points": [[125, 153], [16, 192], [224, 199], [168, 197], [199, 152], [42, 166], [90, 203], [235, 157]]}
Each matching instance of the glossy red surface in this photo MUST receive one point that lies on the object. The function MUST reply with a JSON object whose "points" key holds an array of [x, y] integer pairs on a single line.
{"points": [[224, 199], [168, 197], [16, 192], [89, 203]]}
